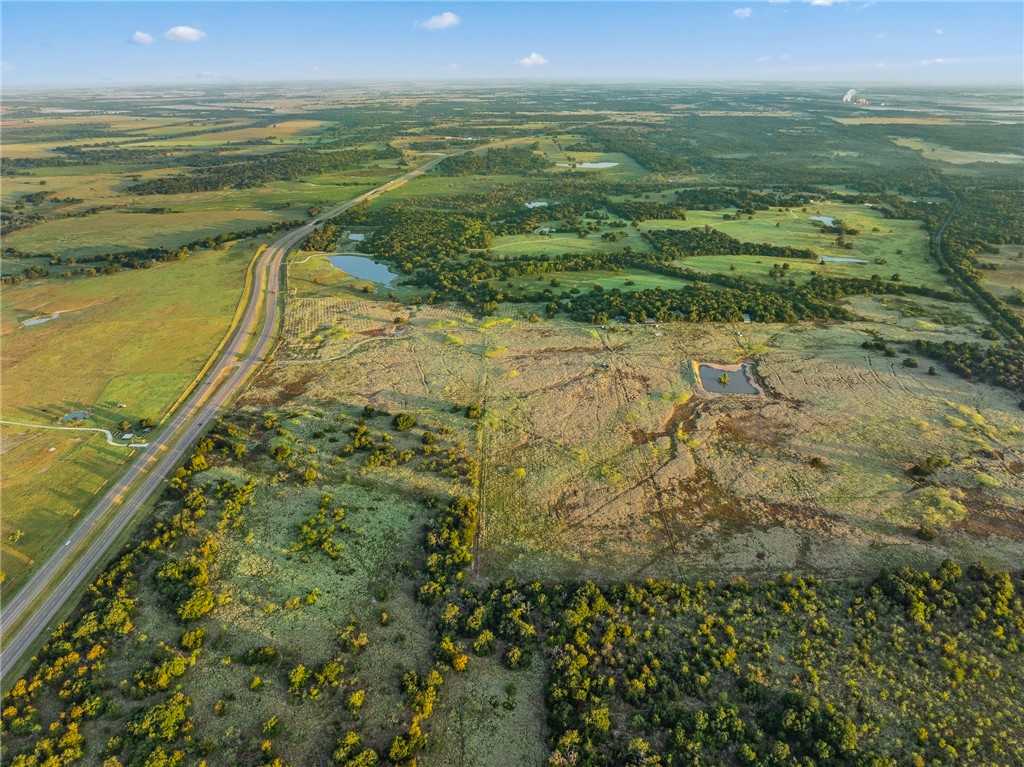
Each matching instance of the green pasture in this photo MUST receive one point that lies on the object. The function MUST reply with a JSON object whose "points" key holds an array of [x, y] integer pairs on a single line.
{"points": [[793, 228], [136, 338]]}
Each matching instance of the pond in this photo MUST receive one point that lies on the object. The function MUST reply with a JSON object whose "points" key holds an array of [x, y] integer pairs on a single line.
{"points": [[592, 165], [826, 220], [740, 378], [536, 204], [357, 237], [76, 415], [364, 269], [841, 260], [39, 320]]}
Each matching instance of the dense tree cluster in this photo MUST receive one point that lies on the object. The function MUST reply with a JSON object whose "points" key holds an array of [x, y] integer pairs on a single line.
{"points": [[997, 364], [323, 239], [505, 160], [655, 151], [705, 241], [418, 237], [257, 171], [902, 670]]}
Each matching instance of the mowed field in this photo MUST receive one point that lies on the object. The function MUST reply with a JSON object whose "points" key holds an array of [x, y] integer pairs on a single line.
{"points": [[136, 338], [601, 459]]}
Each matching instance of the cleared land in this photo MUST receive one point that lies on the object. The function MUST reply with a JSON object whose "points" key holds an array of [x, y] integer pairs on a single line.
{"points": [[600, 460]]}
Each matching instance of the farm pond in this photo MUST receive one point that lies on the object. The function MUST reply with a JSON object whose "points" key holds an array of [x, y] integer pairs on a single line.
{"points": [[739, 379], [39, 320], [364, 269]]}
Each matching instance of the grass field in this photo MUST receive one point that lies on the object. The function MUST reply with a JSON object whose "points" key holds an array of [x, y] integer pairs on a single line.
{"points": [[932, 151], [112, 232], [878, 238], [136, 338], [1008, 275], [601, 460]]}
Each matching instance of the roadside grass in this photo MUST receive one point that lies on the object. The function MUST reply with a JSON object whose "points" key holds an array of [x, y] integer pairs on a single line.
{"points": [[136, 338]]}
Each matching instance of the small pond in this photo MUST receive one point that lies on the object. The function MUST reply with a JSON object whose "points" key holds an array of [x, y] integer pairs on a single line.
{"points": [[740, 381], [364, 269], [77, 415], [592, 165], [826, 220], [841, 260], [536, 204], [39, 320], [357, 237]]}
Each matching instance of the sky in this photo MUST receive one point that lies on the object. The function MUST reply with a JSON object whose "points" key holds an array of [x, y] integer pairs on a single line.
{"points": [[852, 41]]}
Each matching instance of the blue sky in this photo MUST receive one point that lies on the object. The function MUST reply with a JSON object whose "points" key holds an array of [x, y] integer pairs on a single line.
{"points": [[50, 43]]}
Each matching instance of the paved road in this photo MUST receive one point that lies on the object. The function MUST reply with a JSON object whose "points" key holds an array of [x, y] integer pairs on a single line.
{"points": [[30, 611]]}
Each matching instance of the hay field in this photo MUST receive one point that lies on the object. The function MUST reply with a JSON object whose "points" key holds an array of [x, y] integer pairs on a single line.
{"points": [[136, 338], [600, 460]]}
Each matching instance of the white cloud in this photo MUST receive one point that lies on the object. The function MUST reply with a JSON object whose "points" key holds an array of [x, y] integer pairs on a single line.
{"points": [[940, 31], [533, 60], [880, 36], [929, 62], [141, 38], [184, 34], [742, 13], [440, 21], [313, 70], [766, 59]]}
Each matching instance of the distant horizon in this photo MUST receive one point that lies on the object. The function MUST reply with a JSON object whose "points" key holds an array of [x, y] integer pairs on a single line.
{"points": [[441, 83], [86, 44]]}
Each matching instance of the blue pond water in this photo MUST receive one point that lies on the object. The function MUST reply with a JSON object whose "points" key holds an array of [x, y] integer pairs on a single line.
{"points": [[740, 381], [364, 269], [39, 320]]}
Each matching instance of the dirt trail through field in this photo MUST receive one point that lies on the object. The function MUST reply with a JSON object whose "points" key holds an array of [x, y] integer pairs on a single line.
{"points": [[110, 437]]}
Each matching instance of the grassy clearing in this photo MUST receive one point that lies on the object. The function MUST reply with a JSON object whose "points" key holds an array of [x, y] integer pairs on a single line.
{"points": [[263, 573], [601, 461], [491, 716], [136, 338], [530, 244], [110, 232], [626, 281], [937, 152], [1008, 274], [794, 228]]}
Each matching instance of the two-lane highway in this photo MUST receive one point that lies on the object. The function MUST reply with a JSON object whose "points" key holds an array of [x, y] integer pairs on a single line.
{"points": [[25, 616]]}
